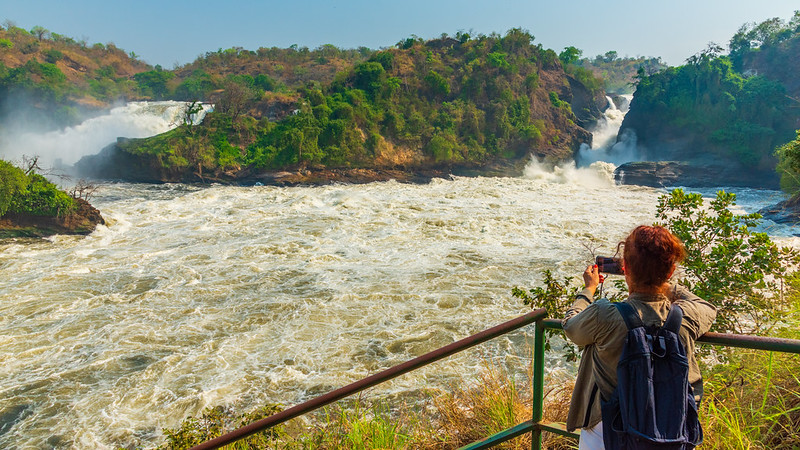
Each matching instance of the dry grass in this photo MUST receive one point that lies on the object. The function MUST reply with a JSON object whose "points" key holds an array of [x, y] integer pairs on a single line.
{"points": [[493, 402]]}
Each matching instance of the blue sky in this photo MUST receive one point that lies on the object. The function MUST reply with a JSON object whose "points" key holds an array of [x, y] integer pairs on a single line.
{"points": [[168, 32]]}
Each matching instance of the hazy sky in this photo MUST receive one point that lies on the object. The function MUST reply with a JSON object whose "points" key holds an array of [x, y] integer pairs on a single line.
{"points": [[171, 32]]}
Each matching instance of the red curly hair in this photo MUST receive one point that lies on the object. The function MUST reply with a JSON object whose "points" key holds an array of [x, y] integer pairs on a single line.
{"points": [[650, 253]]}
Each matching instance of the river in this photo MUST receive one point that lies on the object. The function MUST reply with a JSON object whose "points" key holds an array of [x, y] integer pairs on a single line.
{"points": [[195, 296]]}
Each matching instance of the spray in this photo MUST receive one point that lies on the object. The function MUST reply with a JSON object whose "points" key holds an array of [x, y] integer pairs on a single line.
{"points": [[65, 147]]}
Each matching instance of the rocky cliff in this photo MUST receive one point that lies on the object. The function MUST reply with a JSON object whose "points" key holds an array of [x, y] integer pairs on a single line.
{"points": [[724, 112]]}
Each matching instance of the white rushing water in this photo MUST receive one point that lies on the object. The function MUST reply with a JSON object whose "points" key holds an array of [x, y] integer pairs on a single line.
{"points": [[605, 146], [198, 296], [133, 120]]}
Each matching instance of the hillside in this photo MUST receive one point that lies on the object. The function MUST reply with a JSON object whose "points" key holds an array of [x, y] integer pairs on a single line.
{"points": [[47, 75], [619, 73], [453, 102], [724, 110]]}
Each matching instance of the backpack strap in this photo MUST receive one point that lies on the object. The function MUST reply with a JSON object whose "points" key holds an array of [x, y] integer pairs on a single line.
{"points": [[632, 319], [674, 319]]}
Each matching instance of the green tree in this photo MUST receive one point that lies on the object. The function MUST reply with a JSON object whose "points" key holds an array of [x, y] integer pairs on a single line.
{"points": [[153, 83], [570, 55], [197, 86], [12, 182], [437, 84], [729, 264], [367, 76], [41, 198], [40, 32], [789, 165]]}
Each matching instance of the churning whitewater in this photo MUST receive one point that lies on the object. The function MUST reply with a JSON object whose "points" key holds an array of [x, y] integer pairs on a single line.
{"points": [[197, 296]]}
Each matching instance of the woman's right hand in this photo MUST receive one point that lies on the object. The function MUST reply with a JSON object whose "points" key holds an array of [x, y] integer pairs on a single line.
{"points": [[592, 278]]}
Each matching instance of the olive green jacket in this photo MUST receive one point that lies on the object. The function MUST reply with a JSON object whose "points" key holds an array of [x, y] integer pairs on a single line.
{"points": [[600, 329]]}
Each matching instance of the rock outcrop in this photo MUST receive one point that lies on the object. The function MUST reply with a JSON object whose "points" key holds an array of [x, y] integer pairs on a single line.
{"points": [[787, 211], [681, 173], [82, 221]]}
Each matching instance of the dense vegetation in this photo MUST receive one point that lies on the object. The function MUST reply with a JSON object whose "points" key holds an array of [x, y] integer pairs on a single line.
{"points": [[618, 73], [733, 108], [27, 192], [789, 165], [60, 77], [459, 100], [449, 101]]}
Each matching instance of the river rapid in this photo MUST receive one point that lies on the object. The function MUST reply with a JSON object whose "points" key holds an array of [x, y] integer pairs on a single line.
{"points": [[194, 296]]}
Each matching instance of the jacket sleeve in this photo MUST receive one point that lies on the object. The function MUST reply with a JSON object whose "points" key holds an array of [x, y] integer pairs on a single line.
{"points": [[698, 314], [580, 321]]}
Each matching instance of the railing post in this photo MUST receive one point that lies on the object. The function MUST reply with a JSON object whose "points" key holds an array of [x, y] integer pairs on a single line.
{"points": [[538, 384]]}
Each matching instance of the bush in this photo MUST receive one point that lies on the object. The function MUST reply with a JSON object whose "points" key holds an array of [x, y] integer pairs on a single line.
{"points": [[42, 198], [12, 182], [737, 269], [214, 422], [53, 55], [789, 165]]}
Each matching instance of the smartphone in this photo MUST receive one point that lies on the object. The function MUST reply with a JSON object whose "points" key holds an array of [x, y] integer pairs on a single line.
{"points": [[608, 265]]}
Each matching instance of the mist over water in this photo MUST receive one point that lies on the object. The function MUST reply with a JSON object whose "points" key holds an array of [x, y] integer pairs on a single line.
{"points": [[67, 146], [216, 295]]}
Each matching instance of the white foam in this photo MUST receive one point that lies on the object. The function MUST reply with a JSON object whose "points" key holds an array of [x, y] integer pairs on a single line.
{"points": [[133, 120]]}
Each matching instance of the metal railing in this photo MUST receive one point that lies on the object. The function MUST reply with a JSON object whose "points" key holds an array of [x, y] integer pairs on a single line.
{"points": [[535, 426], [386, 375]]}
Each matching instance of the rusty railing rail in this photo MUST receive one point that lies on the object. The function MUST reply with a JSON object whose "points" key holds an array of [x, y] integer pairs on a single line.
{"points": [[373, 380], [535, 426]]}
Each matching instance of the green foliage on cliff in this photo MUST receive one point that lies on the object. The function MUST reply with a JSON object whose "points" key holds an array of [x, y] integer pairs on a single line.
{"points": [[789, 165], [619, 74], [735, 107], [12, 182], [31, 193], [444, 101], [767, 37], [744, 118], [56, 75]]}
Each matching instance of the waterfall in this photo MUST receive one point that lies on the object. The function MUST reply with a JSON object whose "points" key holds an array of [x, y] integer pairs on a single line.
{"points": [[606, 146], [65, 147]]}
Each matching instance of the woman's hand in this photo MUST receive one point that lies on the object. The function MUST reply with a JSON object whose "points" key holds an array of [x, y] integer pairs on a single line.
{"points": [[592, 278]]}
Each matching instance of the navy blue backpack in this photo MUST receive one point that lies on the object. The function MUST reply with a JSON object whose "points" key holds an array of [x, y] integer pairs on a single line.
{"points": [[653, 405]]}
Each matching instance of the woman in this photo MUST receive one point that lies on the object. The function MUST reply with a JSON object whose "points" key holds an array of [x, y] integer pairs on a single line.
{"points": [[650, 255]]}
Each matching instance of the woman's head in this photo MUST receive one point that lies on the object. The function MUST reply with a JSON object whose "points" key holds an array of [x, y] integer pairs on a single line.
{"points": [[650, 255]]}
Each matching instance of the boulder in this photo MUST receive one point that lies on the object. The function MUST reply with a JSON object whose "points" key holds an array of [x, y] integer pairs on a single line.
{"points": [[787, 211], [680, 173]]}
